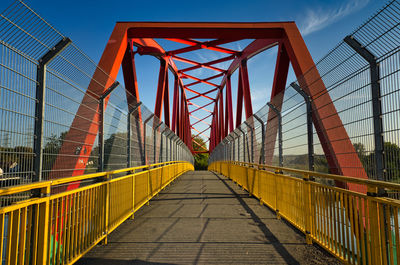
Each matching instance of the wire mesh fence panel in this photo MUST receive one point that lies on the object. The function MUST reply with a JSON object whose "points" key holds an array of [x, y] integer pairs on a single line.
{"points": [[61, 115], [354, 110]]}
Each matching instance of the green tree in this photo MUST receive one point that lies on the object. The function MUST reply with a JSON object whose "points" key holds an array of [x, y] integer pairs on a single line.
{"points": [[200, 159]]}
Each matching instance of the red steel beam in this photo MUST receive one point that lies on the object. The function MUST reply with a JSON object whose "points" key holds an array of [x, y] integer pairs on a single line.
{"points": [[160, 88], [197, 64], [197, 79], [203, 94], [239, 101], [202, 132], [210, 45], [208, 64], [221, 117], [175, 109], [198, 131], [206, 79], [200, 107], [200, 120], [228, 106], [199, 94], [246, 89], [166, 101]]}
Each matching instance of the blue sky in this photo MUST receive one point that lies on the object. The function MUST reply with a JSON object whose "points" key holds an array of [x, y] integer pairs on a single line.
{"points": [[322, 23]]}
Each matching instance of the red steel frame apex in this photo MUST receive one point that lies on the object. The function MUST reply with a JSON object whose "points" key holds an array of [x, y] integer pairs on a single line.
{"points": [[120, 51]]}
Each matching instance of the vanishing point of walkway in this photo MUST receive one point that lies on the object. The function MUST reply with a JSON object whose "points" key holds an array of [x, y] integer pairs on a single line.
{"points": [[204, 218]]}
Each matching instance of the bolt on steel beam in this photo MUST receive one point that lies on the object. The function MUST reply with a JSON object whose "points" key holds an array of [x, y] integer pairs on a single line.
{"points": [[376, 103], [278, 114], [310, 138], [40, 105]]}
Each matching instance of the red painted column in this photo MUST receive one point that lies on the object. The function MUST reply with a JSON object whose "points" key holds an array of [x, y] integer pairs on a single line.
{"points": [[166, 101], [160, 88], [239, 100], [229, 112], [217, 123], [221, 115], [278, 87], [130, 78], [175, 109], [246, 89]]}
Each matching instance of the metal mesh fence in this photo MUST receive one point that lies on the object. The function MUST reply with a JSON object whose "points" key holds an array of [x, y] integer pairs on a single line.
{"points": [[361, 77], [51, 120]]}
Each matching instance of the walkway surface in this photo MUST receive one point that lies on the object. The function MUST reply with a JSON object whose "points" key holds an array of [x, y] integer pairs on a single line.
{"points": [[204, 218]]}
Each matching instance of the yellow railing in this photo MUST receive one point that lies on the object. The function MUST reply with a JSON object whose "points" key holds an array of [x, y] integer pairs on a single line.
{"points": [[60, 228], [357, 228]]}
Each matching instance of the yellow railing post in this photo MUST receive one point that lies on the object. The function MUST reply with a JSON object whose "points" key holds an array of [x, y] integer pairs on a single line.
{"points": [[148, 186], [307, 207], [276, 194], [374, 233], [133, 196], [107, 210], [43, 212]]}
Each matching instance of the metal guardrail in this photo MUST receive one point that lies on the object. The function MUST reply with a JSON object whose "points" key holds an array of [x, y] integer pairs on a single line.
{"points": [[60, 228], [356, 228]]}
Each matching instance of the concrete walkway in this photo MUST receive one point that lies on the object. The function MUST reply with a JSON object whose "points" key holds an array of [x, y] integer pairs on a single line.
{"points": [[204, 218]]}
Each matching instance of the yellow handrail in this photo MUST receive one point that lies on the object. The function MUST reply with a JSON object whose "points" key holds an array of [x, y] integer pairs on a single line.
{"points": [[357, 228], [60, 228]]}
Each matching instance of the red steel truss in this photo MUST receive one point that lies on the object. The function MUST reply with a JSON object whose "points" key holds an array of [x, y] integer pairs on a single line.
{"points": [[131, 38]]}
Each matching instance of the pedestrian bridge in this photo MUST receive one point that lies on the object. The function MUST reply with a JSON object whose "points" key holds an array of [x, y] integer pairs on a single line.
{"points": [[89, 175]]}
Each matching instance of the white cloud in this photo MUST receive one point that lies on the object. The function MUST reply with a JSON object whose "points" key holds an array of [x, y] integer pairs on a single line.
{"points": [[318, 18]]}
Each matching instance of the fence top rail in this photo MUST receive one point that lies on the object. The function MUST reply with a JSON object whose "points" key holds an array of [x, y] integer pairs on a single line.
{"points": [[367, 182], [50, 183]]}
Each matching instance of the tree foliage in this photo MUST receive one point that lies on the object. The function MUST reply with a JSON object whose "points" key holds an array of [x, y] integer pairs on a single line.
{"points": [[200, 159]]}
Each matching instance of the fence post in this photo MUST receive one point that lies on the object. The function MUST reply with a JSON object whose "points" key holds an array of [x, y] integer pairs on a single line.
{"points": [[262, 155], [155, 142], [101, 125], [252, 142], [232, 148], [310, 138], [376, 104], [128, 162], [244, 143], [278, 114], [145, 140], [238, 145], [41, 103]]}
